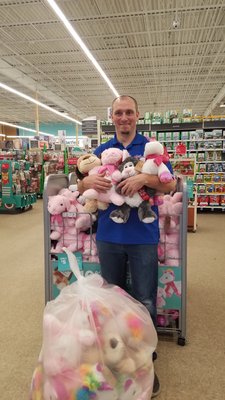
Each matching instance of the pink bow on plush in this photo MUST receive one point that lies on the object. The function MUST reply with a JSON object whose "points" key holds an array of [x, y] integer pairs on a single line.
{"points": [[105, 168], [157, 159], [57, 218]]}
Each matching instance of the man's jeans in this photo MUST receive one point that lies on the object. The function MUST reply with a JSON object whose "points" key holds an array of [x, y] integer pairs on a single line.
{"points": [[143, 266]]}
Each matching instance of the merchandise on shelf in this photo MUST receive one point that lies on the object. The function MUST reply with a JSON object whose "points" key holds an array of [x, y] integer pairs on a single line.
{"points": [[15, 186]]}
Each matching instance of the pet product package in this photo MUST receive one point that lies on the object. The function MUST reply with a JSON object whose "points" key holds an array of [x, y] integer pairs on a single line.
{"points": [[97, 344]]}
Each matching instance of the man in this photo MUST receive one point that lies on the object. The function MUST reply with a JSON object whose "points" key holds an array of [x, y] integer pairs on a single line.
{"points": [[133, 242]]}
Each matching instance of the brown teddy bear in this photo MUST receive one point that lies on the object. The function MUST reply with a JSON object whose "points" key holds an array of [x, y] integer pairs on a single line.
{"points": [[88, 164]]}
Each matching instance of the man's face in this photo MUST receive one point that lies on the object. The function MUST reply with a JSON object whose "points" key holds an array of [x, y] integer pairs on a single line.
{"points": [[125, 116]]}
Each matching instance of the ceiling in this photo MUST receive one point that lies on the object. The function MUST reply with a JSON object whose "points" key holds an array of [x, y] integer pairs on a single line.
{"points": [[168, 54]]}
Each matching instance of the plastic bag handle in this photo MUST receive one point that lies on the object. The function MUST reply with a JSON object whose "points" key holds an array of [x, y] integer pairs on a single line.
{"points": [[73, 263]]}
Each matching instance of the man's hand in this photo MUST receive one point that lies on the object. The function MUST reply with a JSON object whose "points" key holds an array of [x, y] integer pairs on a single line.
{"points": [[96, 181], [131, 185]]}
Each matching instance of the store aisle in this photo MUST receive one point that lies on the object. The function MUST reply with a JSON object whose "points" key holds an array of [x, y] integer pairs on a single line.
{"points": [[195, 371]]}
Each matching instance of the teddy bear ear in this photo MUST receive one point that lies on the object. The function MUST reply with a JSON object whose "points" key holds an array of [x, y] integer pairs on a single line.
{"points": [[125, 155]]}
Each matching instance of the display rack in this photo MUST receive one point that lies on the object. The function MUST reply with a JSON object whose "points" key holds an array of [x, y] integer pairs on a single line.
{"points": [[174, 304], [172, 288], [15, 193], [183, 166]]}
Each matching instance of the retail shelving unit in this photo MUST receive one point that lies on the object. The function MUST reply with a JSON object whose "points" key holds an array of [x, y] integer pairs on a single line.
{"points": [[15, 193]]}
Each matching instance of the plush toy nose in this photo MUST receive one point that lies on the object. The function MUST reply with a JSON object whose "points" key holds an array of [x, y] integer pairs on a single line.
{"points": [[113, 343]]}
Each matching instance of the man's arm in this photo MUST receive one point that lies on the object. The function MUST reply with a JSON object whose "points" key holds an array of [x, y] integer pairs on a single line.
{"points": [[95, 181], [131, 185]]}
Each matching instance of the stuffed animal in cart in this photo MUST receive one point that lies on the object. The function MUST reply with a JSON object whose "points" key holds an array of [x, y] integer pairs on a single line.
{"points": [[88, 164], [141, 199], [56, 206], [111, 158], [154, 161]]}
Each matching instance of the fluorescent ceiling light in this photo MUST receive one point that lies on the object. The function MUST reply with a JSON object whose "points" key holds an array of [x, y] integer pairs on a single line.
{"points": [[222, 105], [32, 100], [77, 38], [2, 134], [19, 137], [25, 129]]}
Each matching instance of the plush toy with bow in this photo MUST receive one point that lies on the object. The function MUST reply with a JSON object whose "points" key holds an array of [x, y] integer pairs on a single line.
{"points": [[155, 159], [141, 199], [111, 159]]}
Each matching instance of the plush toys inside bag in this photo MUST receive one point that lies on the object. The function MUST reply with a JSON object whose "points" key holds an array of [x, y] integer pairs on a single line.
{"points": [[97, 344]]}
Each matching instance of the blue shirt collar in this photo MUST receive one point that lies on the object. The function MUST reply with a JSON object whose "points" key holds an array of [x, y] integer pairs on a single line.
{"points": [[137, 140]]}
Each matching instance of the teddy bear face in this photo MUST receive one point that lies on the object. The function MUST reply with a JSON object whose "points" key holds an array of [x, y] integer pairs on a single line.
{"points": [[86, 162], [114, 349], [153, 147], [127, 168], [57, 204], [111, 156]]}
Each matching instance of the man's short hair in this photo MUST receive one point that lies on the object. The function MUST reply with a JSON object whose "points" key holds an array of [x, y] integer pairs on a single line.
{"points": [[125, 96]]}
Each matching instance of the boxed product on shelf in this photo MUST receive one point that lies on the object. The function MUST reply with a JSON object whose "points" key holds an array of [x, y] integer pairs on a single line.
{"points": [[200, 156], [217, 133], [199, 178], [176, 135], [217, 156], [209, 156], [187, 112], [147, 115], [193, 135], [216, 178], [153, 134], [215, 167], [222, 200], [202, 167], [203, 200], [220, 188], [169, 146], [209, 135], [199, 133], [174, 114], [214, 200], [201, 188], [146, 134], [156, 118], [168, 136], [192, 145], [185, 135], [210, 188], [161, 136]]}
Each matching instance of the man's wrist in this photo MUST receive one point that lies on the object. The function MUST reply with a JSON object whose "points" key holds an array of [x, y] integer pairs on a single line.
{"points": [[80, 186]]}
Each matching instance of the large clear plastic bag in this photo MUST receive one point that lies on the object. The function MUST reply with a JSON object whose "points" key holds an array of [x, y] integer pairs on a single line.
{"points": [[97, 344]]}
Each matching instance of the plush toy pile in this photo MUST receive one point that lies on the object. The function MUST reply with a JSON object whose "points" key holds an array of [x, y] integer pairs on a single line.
{"points": [[117, 165], [169, 224], [69, 222], [97, 344]]}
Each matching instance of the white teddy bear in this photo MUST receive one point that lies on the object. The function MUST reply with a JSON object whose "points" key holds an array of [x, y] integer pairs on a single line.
{"points": [[154, 161]]}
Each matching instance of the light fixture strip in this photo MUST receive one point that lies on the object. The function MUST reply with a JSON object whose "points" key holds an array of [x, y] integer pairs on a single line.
{"points": [[32, 100], [25, 129], [78, 39]]}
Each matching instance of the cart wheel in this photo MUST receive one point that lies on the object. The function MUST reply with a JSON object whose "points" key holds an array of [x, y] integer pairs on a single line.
{"points": [[9, 206], [181, 341]]}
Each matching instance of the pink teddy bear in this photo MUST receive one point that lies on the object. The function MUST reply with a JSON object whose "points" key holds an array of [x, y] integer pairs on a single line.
{"points": [[111, 158]]}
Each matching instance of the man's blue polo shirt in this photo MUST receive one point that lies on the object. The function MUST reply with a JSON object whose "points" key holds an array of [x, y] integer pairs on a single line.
{"points": [[133, 231]]}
